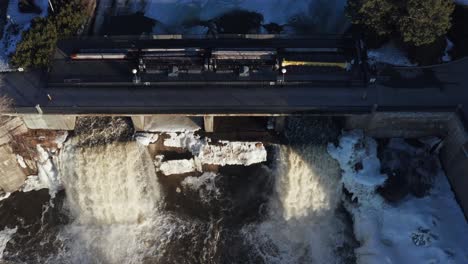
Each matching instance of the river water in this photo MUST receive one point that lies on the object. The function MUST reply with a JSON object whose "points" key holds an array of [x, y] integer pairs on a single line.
{"points": [[116, 209]]}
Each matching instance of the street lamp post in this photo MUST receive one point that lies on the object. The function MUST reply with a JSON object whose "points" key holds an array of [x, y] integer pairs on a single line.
{"points": [[283, 71], [136, 79]]}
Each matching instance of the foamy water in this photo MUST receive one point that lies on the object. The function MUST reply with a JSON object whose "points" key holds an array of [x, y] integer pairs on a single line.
{"points": [[110, 184], [119, 209], [302, 226]]}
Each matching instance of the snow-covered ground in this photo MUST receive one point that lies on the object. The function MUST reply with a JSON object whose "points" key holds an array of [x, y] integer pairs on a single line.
{"points": [[389, 54], [326, 16], [461, 2], [431, 229], [17, 23]]}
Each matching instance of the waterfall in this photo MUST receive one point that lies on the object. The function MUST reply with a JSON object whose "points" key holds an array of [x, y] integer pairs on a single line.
{"points": [[113, 196], [110, 184], [305, 222]]}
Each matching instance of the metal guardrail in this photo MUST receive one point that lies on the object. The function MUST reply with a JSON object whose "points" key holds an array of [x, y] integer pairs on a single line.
{"points": [[220, 36]]}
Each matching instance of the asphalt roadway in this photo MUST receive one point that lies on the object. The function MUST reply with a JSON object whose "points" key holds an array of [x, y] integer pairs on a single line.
{"points": [[436, 88]]}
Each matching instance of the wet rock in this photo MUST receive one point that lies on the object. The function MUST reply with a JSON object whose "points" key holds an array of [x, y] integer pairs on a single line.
{"points": [[92, 131], [37, 223], [358, 166], [410, 167]]}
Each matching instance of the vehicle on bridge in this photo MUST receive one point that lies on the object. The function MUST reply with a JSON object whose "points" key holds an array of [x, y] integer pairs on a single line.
{"points": [[230, 61]]}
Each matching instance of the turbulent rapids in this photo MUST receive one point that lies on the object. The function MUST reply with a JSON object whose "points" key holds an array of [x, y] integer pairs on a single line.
{"points": [[118, 208], [317, 197], [112, 184], [120, 211]]}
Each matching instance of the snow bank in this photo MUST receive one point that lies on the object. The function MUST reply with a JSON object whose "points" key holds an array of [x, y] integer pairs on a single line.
{"points": [[390, 54], [22, 22], [431, 229], [5, 236], [179, 167]]}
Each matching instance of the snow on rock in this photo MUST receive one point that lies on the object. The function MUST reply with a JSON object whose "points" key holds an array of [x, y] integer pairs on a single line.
{"points": [[20, 22], [390, 54], [61, 138], [4, 196], [34, 183], [365, 181], [224, 153], [179, 167], [48, 176], [146, 138], [431, 229], [21, 162], [233, 153], [5, 236], [186, 140]]}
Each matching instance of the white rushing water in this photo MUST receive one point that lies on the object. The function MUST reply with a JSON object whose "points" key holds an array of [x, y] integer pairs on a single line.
{"points": [[115, 183], [113, 194], [302, 226]]}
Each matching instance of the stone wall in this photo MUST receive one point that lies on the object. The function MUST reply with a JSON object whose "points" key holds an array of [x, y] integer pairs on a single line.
{"points": [[404, 124], [454, 156], [11, 174]]}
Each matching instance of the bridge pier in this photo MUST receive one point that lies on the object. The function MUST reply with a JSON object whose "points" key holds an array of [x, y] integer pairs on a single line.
{"points": [[49, 122], [165, 123], [208, 121]]}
